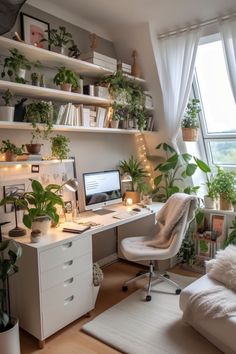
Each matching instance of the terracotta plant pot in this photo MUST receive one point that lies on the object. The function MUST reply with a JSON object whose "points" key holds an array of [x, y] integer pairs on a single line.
{"points": [[135, 196], [190, 134], [225, 204], [66, 87], [9, 156], [114, 124], [33, 148]]}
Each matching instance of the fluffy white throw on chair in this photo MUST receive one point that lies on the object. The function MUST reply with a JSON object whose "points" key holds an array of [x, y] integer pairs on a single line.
{"points": [[174, 211]]}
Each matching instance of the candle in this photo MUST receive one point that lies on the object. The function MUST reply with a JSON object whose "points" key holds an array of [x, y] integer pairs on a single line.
{"points": [[129, 201]]}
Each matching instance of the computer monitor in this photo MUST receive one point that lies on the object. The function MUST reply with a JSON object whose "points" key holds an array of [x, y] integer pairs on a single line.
{"points": [[101, 189]]}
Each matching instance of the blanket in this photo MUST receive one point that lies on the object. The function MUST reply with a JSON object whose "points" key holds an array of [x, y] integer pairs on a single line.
{"points": [[216, 302], [177, 211]]}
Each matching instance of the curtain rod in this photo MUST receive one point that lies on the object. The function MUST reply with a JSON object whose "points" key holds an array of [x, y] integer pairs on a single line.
{"points": [[201, 24]]}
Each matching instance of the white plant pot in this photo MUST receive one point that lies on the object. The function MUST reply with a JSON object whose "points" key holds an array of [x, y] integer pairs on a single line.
{"points": [[114, 124], [9, 340], [209, 202], [7, 113], [95, 293], [42, 224], [21, 73]]}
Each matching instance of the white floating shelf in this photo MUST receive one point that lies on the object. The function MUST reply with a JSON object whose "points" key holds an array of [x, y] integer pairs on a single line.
{"points": [[68, 128], [51, 94], [32, 162]]}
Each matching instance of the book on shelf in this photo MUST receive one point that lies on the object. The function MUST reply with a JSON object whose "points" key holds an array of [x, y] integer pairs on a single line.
{"points": [[150, 123], [125, 68], [35, 157], [101, 115], [95, 55], [88, 90], [85, 117], [102, 63]]}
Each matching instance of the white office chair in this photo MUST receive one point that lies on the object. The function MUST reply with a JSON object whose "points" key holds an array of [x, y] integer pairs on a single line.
{"points": [[173, 218]]}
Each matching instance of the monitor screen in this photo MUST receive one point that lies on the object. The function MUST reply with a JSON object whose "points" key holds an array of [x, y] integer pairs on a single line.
{"points": [[101, 189]]}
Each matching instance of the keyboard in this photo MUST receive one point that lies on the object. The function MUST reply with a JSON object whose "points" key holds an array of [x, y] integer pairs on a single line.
{"points": [[125, 214]]}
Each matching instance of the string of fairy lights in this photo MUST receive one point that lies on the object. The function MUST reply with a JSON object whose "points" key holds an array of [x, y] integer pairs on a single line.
{"points": [[142, 157]]}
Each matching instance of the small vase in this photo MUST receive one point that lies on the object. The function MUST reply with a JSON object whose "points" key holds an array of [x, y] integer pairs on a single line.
{"points": [[33, 148], [10, 156], [114, 124], [7, 113], [209, 202]]}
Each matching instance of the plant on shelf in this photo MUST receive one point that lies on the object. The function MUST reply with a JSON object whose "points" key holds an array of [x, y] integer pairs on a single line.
{"points": [[190, 123], [211, 193], [7, 111], [231, 238], [74, 51], [133, 168], [60, 147], [66, 79], [15, 66], [35, 79], [58, 38], [225, 187], [11, 150], [40, 205], [173, 173], [40, 115], [10, 252]]}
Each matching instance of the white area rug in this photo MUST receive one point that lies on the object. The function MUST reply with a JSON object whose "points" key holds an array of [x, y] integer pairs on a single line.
{"points": [[135, 326]]}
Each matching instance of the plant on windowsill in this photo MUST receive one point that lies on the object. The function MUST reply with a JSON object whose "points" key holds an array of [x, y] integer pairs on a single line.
{"points": [[15, 66], [10, 150], [211, 196], [174, 172], [7, 111], [133, 168], [225, 187], [60, 147], [97, 279], [40, 205], [40, 115], [58, 38], [66, 79], [10, 252], [190, 123]]}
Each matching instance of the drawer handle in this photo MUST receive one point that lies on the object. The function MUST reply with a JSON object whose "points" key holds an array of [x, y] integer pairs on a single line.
{"points": [[68, 300], [67, 245], [67, 264], [68, 282]]}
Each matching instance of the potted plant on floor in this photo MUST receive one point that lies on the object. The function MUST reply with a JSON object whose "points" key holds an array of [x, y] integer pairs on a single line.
{"points": [[97, 280], [190, 123], [60, 147], [10, 150], [40, 115], [58, 38], [133, 168], [225, 187], [66, 79], [7, 111], [15, 66], [10, 252]]}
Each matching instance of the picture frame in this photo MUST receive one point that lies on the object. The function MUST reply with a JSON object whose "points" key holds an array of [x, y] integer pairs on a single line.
{"points": [[33, 30], [16, 190], [218, 225]]}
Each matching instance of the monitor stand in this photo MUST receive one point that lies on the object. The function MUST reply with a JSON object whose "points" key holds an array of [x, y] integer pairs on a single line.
{"points": [[103, 211]]}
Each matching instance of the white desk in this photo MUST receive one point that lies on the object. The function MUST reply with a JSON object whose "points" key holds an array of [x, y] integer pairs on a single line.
{"points": [[54, 285]]}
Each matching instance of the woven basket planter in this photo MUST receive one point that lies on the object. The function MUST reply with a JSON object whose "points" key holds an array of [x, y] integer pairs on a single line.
{"points": [[190, 134]]}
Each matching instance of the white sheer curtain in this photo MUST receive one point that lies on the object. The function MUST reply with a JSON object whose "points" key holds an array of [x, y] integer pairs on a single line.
{"points": [[228, 35], [176, 60]]}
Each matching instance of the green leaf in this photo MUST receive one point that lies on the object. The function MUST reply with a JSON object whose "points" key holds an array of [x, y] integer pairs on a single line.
{"points": [[202, 165], [186, 157], [191, 168], [158, 180]]}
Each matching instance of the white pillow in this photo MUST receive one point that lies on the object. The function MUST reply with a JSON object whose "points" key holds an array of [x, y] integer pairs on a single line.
{"points": [[223, 267]]}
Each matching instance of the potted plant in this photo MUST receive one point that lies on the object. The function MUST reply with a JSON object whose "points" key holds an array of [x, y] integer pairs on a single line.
{"points": [[7, 111], [119, 112], [74, 51], [35, 79], [40, 205], [11, 150], [66, 79], [60, 147], [58, 38], [15, 66], [134, 169], [10, 252], [40, 115], [231, 238], [210, 197], [97, 280], [225, 187], [190, 123], [174, 172]]}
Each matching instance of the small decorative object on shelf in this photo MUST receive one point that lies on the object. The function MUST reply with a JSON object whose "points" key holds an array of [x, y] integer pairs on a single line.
{"points": [[11, 150], [58, 38], [35, 79], [66, 79], [15, 66], [135, 68], [74, 51], [7, 111], [93, 41], [60, 147], [190, 123]]}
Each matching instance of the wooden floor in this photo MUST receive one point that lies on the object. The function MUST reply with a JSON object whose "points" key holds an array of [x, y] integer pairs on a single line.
{"points": [[71, 340]]}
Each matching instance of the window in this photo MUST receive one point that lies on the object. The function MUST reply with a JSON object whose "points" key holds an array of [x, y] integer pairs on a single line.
{"points": [[218, 116]]}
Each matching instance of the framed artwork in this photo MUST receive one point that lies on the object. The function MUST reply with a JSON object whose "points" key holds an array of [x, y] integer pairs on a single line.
{"points": [[218, 225], [33, 30], [15, 190]]}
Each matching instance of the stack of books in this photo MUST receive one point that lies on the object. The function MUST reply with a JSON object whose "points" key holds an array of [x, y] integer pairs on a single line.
{"points": [[125, 68], [148, 100], [101, 91], [99, 59]]}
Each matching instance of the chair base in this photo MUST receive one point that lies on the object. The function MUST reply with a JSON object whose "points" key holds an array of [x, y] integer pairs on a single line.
{"points": [[153, 278]]}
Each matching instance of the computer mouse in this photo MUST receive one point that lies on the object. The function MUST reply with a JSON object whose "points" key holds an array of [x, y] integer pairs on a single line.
{"points": [[136, 209]]}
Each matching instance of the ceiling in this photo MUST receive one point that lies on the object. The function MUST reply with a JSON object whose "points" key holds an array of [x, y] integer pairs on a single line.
{"points": [[108, 16]]}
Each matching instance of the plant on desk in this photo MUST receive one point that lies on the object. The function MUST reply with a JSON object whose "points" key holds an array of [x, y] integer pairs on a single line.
{"points": [[10, 252]]}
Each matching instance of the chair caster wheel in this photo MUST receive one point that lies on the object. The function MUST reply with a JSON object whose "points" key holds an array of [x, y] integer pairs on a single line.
{"points": [[166, 276], [178, 291], [148, 298], [124, 288]]}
